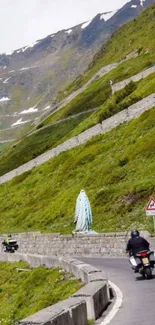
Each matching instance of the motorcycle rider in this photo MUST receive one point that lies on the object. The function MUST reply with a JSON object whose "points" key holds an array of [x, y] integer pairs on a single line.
{"points": [[8, 239], [136, 243]]}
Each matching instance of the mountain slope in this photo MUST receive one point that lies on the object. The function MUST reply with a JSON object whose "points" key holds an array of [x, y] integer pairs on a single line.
{"points": [[116, 170], [31, 77], [135, 38], [96, 95]]}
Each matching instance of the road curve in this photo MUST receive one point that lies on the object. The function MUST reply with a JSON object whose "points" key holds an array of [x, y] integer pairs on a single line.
{"points": [[138, 307]]}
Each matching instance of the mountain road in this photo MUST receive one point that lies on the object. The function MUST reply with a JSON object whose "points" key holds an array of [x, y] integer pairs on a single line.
{"points": [[138, 306]]}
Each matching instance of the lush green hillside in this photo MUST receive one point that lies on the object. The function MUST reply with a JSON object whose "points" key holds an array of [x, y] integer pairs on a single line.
{"points": [[131, 94], [98, 94], [136, 36], [3, 146], [116, 170], [45, 139], [36, 144], [24, 293]]}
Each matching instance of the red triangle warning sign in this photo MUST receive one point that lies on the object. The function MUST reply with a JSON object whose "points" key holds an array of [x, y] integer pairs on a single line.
{"points": [[151, 204]]}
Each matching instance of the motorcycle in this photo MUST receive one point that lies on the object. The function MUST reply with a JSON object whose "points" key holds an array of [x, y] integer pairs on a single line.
{"points": [[143, 262], [11, 247]]}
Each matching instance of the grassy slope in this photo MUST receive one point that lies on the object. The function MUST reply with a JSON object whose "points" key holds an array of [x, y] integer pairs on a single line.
{"points": [[96, 94], [116, 170], [3, 146], [36, 144], [99, 91], [138, 34], [24, 293], [130, 95]]}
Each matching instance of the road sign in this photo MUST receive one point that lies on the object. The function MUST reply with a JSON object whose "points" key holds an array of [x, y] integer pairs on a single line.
{"points": [[150, 209]]}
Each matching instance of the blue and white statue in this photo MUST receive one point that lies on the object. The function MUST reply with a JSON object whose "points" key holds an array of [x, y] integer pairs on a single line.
{"points": [[83, 214]]}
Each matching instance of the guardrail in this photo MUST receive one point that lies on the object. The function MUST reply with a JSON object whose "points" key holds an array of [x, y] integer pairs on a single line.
{"points": [[86, 304]]}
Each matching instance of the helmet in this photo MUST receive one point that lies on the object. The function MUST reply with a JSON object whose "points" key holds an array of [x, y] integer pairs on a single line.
{"points": [[134, 233]]}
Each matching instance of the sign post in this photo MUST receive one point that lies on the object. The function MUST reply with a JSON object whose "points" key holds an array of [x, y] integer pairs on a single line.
{"points": [[150, 209]]}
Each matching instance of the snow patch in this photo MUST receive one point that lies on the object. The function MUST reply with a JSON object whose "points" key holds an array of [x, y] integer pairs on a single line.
{"points": [[47, 107], [142, 3], [4, 99], [107, 15], [28, 46], [68, 31], [6, 81], [29, 110], [26, 68], [4, 67], [20, 122], [86, 24], [134, 6], [23, 49], [9, 53]]}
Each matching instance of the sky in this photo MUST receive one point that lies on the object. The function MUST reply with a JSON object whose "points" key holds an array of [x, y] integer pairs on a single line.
{"points": [[24, 21]]}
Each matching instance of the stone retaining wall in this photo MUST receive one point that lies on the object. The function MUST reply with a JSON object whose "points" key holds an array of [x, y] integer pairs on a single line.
{"points": [[87, 303], [108, 124], [137, 77], [104, 244]]}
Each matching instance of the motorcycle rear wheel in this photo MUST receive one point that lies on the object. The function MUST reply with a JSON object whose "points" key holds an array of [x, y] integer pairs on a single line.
{"points": [[148, 273]]}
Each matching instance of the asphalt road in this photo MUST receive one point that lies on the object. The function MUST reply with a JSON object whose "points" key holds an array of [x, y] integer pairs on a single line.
{"points": [[138, 307]]}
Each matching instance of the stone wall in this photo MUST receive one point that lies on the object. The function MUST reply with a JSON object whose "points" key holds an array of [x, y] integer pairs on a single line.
{"points": [[137, 77], [103, 244], [110, 244], [108, 124], [86, 304]]}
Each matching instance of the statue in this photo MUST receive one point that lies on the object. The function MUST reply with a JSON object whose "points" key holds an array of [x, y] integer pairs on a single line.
{"points": [[83, 214]]}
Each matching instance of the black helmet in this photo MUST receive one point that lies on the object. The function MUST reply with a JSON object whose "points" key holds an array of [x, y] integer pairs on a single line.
{"points": [[134, 233]]}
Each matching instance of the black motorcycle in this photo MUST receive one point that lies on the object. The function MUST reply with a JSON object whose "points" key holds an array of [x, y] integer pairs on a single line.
{"points": [[143, 262], [11, 247]]}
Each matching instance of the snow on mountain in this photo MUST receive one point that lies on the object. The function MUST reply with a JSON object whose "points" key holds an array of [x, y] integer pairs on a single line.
{"points": [[68, 31], [142, 2], [4, 99], [41, 69], [107, 15], [20, 122], [6, 81], [86, 24], [29, 110]]}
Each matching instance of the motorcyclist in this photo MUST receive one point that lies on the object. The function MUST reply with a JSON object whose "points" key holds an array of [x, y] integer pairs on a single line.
{"points": [[136, 243], [8, 239]]}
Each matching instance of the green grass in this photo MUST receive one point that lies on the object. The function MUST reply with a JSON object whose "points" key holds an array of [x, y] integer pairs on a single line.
{"points": [[116, 170], [92, 97], [3, 146], [138, 35], [131, 94], [24, 293], [99, 91], [36, 144]]}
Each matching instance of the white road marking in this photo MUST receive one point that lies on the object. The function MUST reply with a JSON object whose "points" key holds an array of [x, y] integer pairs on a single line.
{"points": [[117, 305]]}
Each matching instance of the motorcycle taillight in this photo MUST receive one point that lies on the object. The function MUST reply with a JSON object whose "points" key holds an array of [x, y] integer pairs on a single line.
{"points": [[143, 254]]}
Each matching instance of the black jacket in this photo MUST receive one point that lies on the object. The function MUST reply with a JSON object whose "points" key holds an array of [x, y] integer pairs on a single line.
{"points": [[136, 245]]}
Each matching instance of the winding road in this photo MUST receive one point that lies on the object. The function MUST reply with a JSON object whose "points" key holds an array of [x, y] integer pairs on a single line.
{"points": [[138, 307]]}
